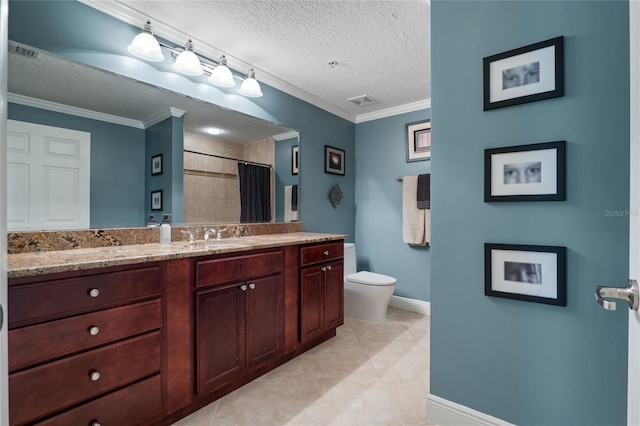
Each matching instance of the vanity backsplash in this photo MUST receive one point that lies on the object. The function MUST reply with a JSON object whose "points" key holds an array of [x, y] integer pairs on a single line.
{"points": [[33, 241]]}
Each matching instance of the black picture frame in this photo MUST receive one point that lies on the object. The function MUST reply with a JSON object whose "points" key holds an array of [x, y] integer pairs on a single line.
{"points": [[156, 200], [547, 183], [295, 150], [156, 165], [333, 160], [527, 74], [530, 273], [418, 141]]}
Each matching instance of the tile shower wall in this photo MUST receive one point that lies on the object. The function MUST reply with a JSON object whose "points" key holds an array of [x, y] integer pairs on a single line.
{"points": [[211, 187]]}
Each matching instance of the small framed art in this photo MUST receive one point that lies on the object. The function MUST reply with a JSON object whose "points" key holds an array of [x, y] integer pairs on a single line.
{"points": [[534, 172], [333, 160], [156, 165], [156, 200], [526, 272], [527, 74], [294, 159], [418, 141]]}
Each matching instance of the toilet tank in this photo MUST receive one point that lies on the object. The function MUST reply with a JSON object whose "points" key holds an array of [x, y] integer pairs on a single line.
{"points": [[349, 259]]}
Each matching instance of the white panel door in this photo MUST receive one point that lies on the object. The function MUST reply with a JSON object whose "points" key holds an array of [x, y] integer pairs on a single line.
{"points": [[48, 171]]}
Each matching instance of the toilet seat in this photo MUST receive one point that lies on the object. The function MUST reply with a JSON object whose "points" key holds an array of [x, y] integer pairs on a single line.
{"points": [[370, 278]]}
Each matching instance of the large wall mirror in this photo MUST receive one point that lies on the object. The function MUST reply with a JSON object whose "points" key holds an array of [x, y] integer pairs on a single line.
{"points": [[145, 141]]}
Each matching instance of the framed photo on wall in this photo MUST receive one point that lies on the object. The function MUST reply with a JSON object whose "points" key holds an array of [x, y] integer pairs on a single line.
{"points": [[156, 165], [418, 141], [527, 74], [294, 159], [156, 200], [526, 272], [333, 160], [534, 172]]}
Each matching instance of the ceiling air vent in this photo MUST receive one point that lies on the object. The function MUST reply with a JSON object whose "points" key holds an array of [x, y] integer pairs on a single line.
{"points": [[363, 100], [21, 50]]}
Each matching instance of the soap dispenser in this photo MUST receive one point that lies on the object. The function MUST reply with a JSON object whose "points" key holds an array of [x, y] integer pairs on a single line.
{"points": [[165, 230]]}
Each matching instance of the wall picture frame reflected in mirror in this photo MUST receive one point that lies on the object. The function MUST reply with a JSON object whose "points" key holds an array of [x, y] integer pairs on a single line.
{"points": [[156, 200], [294, 159], [534, 172], [529, 273], [156, 165], [418, 141], [527, 74], [333, 160]]}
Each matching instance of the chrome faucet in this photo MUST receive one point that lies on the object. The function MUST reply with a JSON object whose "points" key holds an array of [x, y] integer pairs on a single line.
{"points": [[209, 232]]}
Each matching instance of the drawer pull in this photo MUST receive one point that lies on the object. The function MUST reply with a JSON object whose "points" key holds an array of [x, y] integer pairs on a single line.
{"points": [[252, 286], [94, 330], [94, 423], [94, 376], [243, 287], [326, 252], [324, 268], [94, 292], [329, 267]]}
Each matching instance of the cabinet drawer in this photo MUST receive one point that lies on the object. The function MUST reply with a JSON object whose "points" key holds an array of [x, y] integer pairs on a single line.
{"points": [[38, 343], [134, 405], [320, 253], [58, 298], [238, 268], [43, 390]]}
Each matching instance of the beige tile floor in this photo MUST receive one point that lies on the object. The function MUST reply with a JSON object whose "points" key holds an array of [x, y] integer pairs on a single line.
{"points": [[369, 374]]}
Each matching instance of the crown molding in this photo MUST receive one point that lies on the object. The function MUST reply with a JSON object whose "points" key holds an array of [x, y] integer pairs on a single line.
{"points": [[66, 109], [131, 16], [289, 135], [163, 115], [389, 112]]}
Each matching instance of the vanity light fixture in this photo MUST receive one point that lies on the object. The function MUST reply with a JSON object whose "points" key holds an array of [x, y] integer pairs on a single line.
{"points": [[145, 45], [221, 75], [186, 61], [250, 86]]}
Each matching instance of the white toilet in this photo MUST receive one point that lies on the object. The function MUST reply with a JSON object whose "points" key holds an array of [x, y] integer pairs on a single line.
{"points": [[366, 294]]}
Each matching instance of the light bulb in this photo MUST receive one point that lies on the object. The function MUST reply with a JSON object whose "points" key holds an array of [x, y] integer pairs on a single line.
{"points": [[187, 62], [145, 46], [250, 86]]}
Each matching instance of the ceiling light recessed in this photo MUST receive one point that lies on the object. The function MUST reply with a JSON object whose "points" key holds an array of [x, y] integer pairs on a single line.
{"points": [[213, 131], [332, 64]]}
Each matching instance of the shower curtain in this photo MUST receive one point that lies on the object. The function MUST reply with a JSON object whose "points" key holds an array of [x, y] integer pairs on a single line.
{"points": [[255, 193]]}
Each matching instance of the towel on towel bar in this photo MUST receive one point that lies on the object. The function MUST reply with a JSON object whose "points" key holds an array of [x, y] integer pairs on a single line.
{"points": [[424, 191], [416, 223], [290, 215]]}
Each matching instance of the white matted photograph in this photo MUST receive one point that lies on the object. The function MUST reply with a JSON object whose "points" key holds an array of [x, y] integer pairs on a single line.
{"points": [[526, 272], [156, 165], [156, 200], [418, 141], [527, 74], [534, 172]]}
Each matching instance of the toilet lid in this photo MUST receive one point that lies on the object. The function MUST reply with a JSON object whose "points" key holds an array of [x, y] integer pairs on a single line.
{"points": [[370, 278]]}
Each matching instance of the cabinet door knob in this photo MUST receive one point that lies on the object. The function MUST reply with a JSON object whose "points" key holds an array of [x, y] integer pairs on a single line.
{"points": [[94, 330], [329, 267], [326, 252], [243, 287], [94, 423], [94, 292], [324, 268], [252, 286], [94, 376]]}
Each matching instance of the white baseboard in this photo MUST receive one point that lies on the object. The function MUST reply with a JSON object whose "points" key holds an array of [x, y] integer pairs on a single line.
{"points": [[446, 413], [411, 305]]}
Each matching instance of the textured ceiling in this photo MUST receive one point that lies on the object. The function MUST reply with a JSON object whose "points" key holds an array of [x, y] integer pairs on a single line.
{"points": [[54, 79], [382, 47]]}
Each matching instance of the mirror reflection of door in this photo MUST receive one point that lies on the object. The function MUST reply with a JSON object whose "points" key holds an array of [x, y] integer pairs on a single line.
{"points": [[47, 177]]}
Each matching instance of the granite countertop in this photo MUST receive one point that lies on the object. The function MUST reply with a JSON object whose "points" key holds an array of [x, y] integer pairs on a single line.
{"points": [[47, 262]]}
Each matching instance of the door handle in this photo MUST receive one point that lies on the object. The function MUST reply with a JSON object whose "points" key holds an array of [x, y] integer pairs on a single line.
{"points": [[631, 294]]}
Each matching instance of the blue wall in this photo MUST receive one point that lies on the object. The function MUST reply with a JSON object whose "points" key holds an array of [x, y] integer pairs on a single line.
{"points": [[528, 363], [74, 30], [117, 152], [381, 153]]}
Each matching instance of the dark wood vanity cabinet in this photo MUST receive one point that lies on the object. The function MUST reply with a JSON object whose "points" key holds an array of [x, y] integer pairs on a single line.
{"points": [[240, 324], [321, 289], [81, 342]]}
